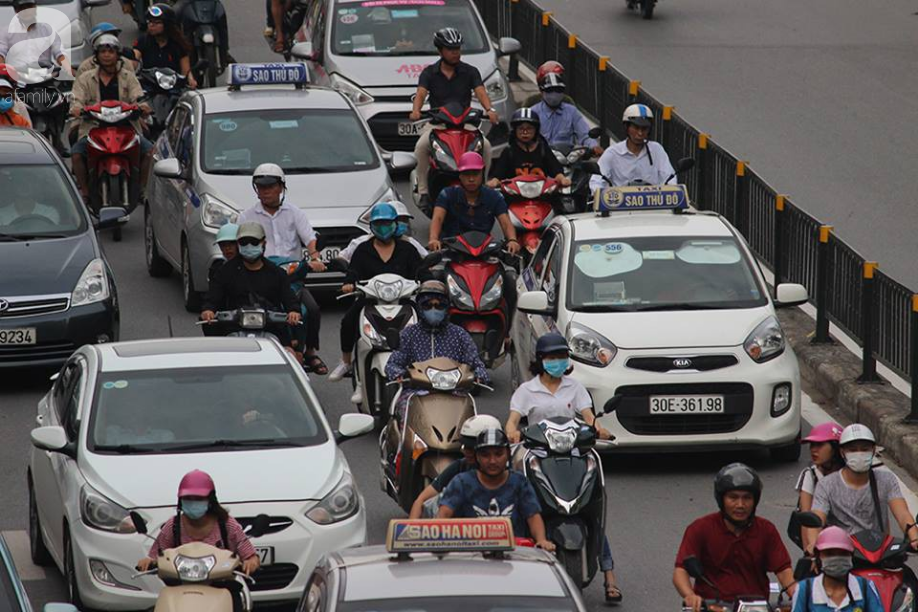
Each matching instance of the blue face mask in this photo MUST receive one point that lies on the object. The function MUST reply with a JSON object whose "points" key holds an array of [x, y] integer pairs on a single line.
{"points": [[195, 508], [401, 229], [6, 104], [251, 252], [434, 316], [556, 367], [553, 98], [384, 231]]}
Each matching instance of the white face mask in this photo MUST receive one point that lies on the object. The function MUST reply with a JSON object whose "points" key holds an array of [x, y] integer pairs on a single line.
{"points": [[859, 462]]}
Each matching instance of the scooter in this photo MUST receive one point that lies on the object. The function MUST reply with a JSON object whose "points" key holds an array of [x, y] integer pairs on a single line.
{"points": [[248, 322], [447, 146], [777, 600], [644, 7], [532, 201], [575, 197], [46, 102], [163, 88], [414, 452], [565, 470], [200, 21]]}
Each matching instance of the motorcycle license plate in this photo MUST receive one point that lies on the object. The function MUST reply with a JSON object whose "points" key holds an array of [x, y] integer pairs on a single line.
{"points": [[686, 404], [17, 336], [265, 554], [408, 128]]}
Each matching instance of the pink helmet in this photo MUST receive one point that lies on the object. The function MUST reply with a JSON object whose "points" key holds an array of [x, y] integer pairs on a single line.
{"points": [[834, 538], [825, 432], [197, 484], [470, 161]]}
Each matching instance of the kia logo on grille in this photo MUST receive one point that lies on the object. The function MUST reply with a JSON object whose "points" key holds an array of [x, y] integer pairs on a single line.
{"points": [[682, 363], [4, 304]]}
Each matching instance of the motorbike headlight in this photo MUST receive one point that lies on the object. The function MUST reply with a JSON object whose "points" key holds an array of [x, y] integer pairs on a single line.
{"points": [[166, 80], [342, 503], [101, 513], [753, 606], [561, 157], [492, 296], [561, 441], [371, 332], [590, 346], [443, 380], [443, 157], [388, 292], [766, 341], [530, 190], [459, 296], [215, 213], [253, 320], [496, 87], [92, 286], [351, 90], [194, 569]]}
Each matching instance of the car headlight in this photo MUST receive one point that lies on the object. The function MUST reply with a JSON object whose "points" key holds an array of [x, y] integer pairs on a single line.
{"points": [[457, 295], [492, 296], [166, 80], [388, 292], [101, 513], [496, 87], [590, 346], [766, 341], [342, 503], [371, 333], [389, 195], [530, 190], [215, 213], [349, 89], [194, 569], [561, 441], [781, 399], [443, 380], [92, 286]]}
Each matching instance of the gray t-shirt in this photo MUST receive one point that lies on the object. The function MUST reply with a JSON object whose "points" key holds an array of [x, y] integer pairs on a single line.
{"points": [[853, 509]]}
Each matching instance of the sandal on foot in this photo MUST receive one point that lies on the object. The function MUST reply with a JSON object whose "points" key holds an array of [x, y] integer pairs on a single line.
{"points": [[314, 364], [613, 593]]}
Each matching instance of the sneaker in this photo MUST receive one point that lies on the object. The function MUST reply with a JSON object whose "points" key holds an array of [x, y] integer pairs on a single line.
{"points": [[357, 396], [341, 370]]}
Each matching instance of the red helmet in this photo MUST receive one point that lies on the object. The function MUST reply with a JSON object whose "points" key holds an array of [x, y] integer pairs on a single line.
{"points": [[549, 67], [196, 484], [470, 161], [8, 72]]}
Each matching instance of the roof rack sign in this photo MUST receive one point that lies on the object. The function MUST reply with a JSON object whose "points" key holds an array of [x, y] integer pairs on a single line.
{"points": [[641, 197], [450, 535], [268, 74]]}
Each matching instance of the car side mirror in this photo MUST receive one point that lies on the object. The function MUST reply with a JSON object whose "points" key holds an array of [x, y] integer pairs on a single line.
{"points": [[788, 295], [534, 303], [303, 51], [260, 526], [59, 607], [509, 46], [110, 216], [694, 567], [393, 338], [168, 168], [401, 161], [140, 525], [595, 132], [53, 438], [808, 519], [352, 425]]}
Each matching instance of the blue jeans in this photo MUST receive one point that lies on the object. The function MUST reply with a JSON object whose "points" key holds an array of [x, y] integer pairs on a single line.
{"points": [[606, 563]]}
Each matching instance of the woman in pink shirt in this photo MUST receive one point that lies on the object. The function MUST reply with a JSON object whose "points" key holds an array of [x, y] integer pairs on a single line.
{"points": [[200, 518]]}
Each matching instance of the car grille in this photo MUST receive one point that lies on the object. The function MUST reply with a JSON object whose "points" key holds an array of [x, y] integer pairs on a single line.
{"points": [[340, 236], [633, 409], [36, 352], [274, 577], [384, 127], [703, 363], [275, 523], [25, 306]]}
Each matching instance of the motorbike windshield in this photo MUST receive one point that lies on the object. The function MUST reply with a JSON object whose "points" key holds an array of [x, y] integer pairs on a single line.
{"points": [[185, 410], [300, 140], [38, 202], [402, 27], [662, 273]]}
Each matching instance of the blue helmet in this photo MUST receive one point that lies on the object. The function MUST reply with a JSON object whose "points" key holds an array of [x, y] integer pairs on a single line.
{"points": [[103, 27], [383, 212], [228, 233]]}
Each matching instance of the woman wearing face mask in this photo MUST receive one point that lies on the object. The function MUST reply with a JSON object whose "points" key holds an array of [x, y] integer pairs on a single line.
{"points": [[201, 518], [8, 115], [835, 588], [826, 459], [857, 497]]}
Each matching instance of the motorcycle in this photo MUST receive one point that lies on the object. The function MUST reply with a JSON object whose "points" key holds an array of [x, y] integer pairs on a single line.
{"points": [[248, 322], [532, 201], [200, 21], [776, 602], [644, 7], [163, 88], [565, 470], [415, 451], [574, 198], [447, 145], [46, 102]]}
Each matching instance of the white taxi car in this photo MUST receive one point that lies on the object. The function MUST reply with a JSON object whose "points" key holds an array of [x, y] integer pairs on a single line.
{"points": [[671, 326], [125, 421]]}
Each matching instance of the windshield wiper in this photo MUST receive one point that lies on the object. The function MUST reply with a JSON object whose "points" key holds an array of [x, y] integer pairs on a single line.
{"points": [[678, 306], [231, 444], [125, 449], [316, 169], [13, 237], [603, 308]]}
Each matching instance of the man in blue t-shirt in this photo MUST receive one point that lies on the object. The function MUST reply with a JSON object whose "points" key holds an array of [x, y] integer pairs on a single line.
{"points": [[493, 490]]}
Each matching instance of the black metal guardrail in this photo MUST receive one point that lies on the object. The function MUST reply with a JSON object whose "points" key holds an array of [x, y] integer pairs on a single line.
{"points": [[880, 313]]}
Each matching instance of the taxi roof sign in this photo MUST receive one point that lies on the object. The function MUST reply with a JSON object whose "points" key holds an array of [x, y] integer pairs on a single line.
{"points": [[450, 535], [641, 197], [291, 73]]}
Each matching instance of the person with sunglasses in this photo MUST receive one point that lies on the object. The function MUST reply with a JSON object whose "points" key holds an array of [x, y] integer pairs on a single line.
{"points": [[163, 45]]}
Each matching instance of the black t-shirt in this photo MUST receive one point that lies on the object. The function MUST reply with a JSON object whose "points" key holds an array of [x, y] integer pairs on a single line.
{"points": [[442, 90], [235, 286], [110, 91], [366, 262], [514, 161], [154, 56]]}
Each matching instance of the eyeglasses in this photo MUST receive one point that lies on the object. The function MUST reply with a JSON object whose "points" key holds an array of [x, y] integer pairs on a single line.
{"points": [[433, 305], [248, 241]]}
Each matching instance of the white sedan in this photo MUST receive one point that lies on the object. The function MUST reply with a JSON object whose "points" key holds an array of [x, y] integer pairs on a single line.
{"points": [[671, 326], [124, 422]]}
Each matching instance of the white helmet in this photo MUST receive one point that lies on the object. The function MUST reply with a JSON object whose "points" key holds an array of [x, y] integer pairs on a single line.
{"points": [[638, 114], [268, 174], [107, 40], [474, 426], [855, 432], [401, 209]]}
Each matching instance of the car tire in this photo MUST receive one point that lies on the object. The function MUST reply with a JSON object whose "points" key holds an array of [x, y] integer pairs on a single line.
{"points": [[73, 588], [191, 297], [37, 549], [157, 267], [789, 453]]}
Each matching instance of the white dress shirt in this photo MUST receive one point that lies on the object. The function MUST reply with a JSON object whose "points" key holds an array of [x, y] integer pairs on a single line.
{"points": [[286, 232], [621, 166]]}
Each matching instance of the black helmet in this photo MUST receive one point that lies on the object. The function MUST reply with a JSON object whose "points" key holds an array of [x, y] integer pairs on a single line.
{"points": [[551, 80], [162, 12], [492, 438], [524, 115], [552, 342], [737, 477], [449, 38]]}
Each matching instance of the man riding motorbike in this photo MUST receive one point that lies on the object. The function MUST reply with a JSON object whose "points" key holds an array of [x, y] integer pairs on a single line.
{"points": [[111, 79], [561, 123], [528, 154], [736, 548], [635, 158], [163, 45], [447, 80], [98, 30], [28, 42]]}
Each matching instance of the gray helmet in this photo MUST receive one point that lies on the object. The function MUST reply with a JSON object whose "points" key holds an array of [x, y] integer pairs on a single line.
{"points": [[447, 38], [737, 477], [106, 40]]}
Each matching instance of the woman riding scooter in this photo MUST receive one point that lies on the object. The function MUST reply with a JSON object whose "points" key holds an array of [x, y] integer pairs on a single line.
{"points": [[163, 45]]}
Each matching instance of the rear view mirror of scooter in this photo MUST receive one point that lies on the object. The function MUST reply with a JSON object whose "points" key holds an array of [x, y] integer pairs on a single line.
{"points": [[139, 524], [808, 519]]}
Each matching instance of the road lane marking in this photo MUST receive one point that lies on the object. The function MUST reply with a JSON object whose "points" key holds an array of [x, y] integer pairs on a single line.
{"points": [[18, 543]]}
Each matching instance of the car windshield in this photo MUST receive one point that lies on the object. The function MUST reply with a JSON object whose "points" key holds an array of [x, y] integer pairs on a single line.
{"points": [[198, 409], [662, 273], [38, 202], [402, 27], [300, 140], [461, 604]]}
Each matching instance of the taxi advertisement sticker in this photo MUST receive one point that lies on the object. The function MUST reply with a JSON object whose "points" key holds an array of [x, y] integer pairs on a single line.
{"points": [[450, 535]]}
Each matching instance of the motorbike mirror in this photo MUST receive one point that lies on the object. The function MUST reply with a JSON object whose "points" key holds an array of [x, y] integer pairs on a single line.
{"points": [[260, 526], [604, 445], [168, 168], [139, 524], [595, 132], [109, 217], [684, 165], [321, 242], [393, 338], [432, 259], [509, 46], [352, 425], [808, 519], [803, 568], [401, 161], [92, 3], [694, 567]]}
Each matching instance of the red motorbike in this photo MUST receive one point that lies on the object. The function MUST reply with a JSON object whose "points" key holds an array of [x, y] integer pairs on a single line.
{"points": [[113, 159], [881, 559], [448, 144], [532, 200]]}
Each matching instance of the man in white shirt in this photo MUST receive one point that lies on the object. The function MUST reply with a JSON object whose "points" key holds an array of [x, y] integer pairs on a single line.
{"points": [[27, 42], [635, 158]]}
